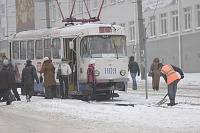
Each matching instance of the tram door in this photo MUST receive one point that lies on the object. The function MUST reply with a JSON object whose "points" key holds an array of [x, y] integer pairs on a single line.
{"points": [[69, 54]]}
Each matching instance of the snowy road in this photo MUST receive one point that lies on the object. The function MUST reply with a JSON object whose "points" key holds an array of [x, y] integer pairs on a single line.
{"points": [[67, 116], [75, 116]]}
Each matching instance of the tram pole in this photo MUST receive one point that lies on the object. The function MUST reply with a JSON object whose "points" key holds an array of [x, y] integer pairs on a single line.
{"points": [[142, 45]]}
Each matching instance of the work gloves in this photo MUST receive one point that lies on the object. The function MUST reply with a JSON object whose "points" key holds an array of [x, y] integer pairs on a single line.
{"points": [[182, 76]]}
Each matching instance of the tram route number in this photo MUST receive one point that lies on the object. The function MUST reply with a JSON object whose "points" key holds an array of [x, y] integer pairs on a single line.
{"points": [[110, 70]]}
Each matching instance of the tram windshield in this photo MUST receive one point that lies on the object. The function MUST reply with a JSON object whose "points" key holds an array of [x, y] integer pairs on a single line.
{"points": [[103, 46]]}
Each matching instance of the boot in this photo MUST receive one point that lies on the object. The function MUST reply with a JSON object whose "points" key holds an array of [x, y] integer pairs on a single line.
{"points": [[172, 103]]}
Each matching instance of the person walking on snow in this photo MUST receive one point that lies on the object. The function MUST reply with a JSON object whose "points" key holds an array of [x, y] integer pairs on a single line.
{"points": [[63, 79], [155, 74], [28, 76], [171, 78], [5, 83], [134, 69]]}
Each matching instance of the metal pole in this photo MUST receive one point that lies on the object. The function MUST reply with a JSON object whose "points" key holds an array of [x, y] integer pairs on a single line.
{"points": [[145, 56], [47, 13], [142, 45], [179, 35], [7, 47]]}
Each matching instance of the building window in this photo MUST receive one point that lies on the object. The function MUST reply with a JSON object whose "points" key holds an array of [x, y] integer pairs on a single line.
{"points": [[163, 23], [123, 25], [2, 9], [104, 3], [54, 12], [95, 4], [198, 56], [174, 21], [152, 26], [112, 2], [131, 31], [187, 18], [80, 6], [198, 15], [120, 1]]}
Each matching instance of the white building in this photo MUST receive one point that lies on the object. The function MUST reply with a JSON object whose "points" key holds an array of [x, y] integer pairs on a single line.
{"points": [[162, 18]]}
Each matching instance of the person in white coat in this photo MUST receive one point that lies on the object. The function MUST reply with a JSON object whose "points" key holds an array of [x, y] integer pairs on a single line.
{"points": [[63, 79]]}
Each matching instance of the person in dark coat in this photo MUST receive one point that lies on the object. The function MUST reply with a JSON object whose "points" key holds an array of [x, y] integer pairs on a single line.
{"points": [[28, 76], [91, 78], [171, 78], [11, 70], [49, 77], [5, 83], [134, 70], [155, 74]]}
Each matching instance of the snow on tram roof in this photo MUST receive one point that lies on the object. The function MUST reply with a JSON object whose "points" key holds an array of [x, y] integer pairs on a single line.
{"points": [[60, 31]]}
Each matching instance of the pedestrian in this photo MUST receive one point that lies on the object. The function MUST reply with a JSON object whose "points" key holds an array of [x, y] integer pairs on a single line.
{"points": [[5, 83], [134, 70], [91, 78], [12, 72], [63, 79], [28, 76], [171, 78], [155, 72], [49, 77]]}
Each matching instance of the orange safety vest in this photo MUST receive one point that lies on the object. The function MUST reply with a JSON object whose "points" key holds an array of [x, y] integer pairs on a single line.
{"points": [[170, 74]]}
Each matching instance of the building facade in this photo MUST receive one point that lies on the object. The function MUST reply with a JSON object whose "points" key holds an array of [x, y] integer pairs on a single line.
{"points": [[172, 27]]}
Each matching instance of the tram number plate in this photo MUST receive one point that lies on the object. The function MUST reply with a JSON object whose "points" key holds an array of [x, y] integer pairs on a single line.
{"points": [[110, 70]]}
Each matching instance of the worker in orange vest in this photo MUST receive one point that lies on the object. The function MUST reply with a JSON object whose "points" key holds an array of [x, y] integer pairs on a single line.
{"points": [[171, 78]]}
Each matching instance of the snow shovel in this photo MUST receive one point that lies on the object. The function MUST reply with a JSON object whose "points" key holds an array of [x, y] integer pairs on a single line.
{"points": [[162, 101]]}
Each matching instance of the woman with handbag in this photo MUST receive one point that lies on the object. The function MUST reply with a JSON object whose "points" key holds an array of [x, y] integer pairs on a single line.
{"points": [[63, 70], [155, 73]]}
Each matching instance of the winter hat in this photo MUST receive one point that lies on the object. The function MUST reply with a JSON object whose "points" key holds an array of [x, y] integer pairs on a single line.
{"points": [[28, 61], [92, 62], [5, 62], [46, 58], [63, 59]]}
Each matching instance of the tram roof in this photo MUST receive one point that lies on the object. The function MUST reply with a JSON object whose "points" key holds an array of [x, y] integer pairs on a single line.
{"points": [[89, 29]]}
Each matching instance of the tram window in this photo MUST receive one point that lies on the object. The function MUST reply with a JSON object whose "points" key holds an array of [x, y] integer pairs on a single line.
{"points": [[16, 50], [23, 50], [38, 49], [30, 50], [56, 48], [69, 55], [47, 48]]}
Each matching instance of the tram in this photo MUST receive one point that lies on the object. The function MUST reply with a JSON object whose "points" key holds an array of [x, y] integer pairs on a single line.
{"points": [[79, 44]]}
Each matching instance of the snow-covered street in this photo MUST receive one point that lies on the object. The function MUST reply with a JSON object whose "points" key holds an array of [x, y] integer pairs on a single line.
{"points": [[68, 116]]}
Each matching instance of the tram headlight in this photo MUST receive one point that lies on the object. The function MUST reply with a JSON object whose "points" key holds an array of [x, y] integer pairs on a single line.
{"points": [[122, 72], [97, 73]]}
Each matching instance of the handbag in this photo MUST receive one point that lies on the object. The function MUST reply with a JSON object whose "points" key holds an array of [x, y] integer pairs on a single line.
{"points": [[59, 72], [150, 73]]}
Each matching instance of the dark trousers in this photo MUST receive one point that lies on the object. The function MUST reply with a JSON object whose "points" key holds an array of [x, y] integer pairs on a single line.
{"points": [[29, 90], [4, 94], [93, 85], [48, 92], [14, 89], [172, 88], [64, 86]]}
